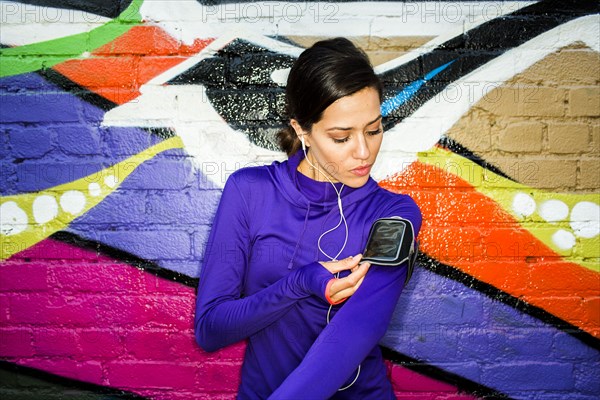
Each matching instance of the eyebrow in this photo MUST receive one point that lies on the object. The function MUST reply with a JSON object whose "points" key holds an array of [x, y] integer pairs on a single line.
{"points": [[338, 128]]}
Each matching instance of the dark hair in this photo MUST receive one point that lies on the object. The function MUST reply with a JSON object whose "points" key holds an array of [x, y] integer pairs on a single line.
{"points": [[327, 71]]}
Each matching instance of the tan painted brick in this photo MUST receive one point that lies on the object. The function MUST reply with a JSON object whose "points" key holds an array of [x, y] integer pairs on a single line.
{"points": [[401, 44], [473, 131], [584, 101], [568, 138], [500, 101], [521, 138], [569, 66], [595, 145], [554, 173], [379, 49], [542, 101], [589, 174], [380, 57], [525, 100]]}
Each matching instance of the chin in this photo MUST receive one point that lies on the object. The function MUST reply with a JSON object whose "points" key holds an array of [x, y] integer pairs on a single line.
{"points": [[356, 182]]}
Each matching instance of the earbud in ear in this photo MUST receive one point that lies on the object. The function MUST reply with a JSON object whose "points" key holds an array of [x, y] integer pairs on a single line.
{"points": [[303, 145]]}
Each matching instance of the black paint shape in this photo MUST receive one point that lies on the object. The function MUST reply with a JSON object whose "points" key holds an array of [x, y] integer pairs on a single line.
{"points": [[209, 72], [125, 257], [239, 86], [239, 65], [236, 78], [105, 8], [46, 385], [462, 151], [496, 294], [463, 385], [77, 90], [238, 47]]}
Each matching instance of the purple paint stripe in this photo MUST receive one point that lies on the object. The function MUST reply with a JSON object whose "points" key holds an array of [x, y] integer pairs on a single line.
{"points": [[462, 331], [54, 137], [104, 321], [173, 203]]}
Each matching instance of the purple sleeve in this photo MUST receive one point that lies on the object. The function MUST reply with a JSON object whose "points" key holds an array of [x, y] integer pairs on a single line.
{"points": [[353, 332], [223, 316]]}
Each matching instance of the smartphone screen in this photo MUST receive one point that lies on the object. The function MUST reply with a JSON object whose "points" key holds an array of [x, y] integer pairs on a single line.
{"points": [[384, 241]]}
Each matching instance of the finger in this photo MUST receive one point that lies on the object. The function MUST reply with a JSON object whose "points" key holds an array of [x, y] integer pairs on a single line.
{"points": [[341, 265], [361, 269], [349, 281], [332, 266], [342, 284], [348, 263], [347, 292], [357, 266]]}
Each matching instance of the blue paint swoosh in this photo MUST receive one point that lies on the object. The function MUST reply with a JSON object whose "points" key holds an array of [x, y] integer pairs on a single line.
{"points": [[409, 91]]}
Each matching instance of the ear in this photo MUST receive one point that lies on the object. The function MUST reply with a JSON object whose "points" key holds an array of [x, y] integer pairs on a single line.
{"points": [[301, 133]]}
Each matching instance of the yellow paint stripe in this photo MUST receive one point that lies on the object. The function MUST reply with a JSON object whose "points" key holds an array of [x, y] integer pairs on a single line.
{"points": [[73, 199], [585, 251]]}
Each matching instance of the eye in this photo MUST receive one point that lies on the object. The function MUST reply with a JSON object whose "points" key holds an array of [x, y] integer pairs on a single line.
{"points": [[344, 140], [373, 133]]}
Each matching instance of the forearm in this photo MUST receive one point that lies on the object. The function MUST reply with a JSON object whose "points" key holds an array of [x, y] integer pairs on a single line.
{"points": [[354, 331], [221, 321]]}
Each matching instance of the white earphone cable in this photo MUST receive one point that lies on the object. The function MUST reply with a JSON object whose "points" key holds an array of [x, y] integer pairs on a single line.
{"points": [[342, 219]]}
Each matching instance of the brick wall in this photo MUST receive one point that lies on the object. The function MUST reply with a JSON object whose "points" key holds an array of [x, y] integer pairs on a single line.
{"points": [[121, 122]]}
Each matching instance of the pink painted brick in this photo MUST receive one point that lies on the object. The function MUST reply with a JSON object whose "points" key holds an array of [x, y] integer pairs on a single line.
{"points": [[123, 310], [89, 371], [4, 309], [47, 308], [151, 375], [15, 343], [418, 396], [219, 377], [94, 277], [156, 394], [155, 284], [100, 344], [184, 347], [174, 311], [28, 308], [52, 249], [18, 276], [149, 345], [54, 342], [403, 379]]}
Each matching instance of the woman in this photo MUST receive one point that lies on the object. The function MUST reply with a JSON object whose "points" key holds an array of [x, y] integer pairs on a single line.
{"points": [[282, 231]]}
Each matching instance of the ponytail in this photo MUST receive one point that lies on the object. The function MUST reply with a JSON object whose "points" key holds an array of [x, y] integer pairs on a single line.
{"points": [[288, 140]]}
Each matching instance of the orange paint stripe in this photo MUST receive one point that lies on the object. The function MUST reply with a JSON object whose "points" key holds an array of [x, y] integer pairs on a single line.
{"points": [[117, 70], [471, 232]]}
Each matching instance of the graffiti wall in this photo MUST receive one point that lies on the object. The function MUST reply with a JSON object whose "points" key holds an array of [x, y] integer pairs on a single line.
{"points": [[122, 120]]}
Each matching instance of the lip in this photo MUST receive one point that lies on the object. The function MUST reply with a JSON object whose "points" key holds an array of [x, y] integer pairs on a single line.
{"points": [[362, 171]]}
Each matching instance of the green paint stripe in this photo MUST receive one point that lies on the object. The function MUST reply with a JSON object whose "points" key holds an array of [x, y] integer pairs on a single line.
{"points": [[35, 56]]}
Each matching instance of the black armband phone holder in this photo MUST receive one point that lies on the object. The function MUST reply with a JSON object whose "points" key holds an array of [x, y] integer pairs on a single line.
{"points": [[391, 243]]}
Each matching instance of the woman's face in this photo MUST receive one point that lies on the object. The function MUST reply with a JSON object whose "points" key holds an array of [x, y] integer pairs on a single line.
{"points": [[345, 142]]}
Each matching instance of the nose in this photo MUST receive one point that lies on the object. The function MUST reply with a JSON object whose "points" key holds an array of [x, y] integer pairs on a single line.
{"points": [[361, 150]]}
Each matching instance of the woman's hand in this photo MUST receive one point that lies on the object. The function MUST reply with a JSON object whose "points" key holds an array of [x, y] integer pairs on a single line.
{"points": [[340, 289]]}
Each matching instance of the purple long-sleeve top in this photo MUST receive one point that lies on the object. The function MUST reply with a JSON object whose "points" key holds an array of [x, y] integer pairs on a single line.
{"points": [[261, 281]]}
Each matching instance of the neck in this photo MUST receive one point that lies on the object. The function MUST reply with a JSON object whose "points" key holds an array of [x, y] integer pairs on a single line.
{"points": [[318, 173]]}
